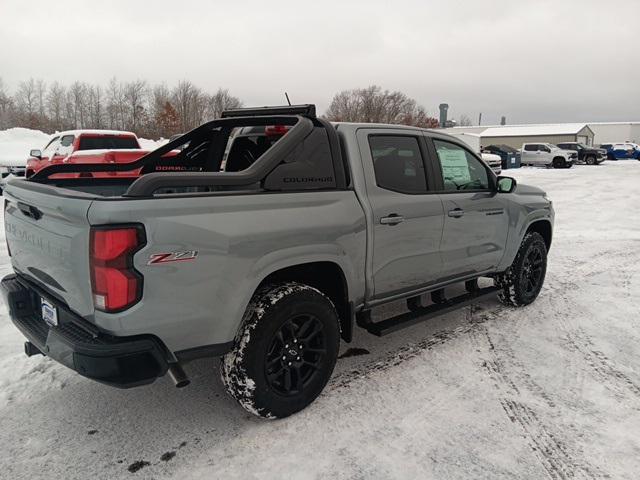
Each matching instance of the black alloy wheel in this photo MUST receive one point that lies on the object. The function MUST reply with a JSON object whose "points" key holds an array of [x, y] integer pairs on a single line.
{"points": [[532, 269], [295, 355]]}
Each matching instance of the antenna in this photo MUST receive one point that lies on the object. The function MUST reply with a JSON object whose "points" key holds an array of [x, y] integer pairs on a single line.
{"points": [[287, 95]]}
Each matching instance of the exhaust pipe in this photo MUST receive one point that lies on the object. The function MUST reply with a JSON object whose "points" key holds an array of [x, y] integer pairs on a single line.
{"points": [[178, 375]]}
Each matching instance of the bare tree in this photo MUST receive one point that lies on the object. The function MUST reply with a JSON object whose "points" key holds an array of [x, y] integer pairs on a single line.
{"points": [[56, 106], [147, 110], [116, 109], [77, 98], [220, 101], [26, 100], [465, 121], [185, 98], [95, 106], [374, 105], [6, 107], [135, 96]]}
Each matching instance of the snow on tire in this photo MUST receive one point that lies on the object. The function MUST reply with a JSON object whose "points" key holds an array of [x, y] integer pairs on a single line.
{"points": [[520, 284], [285, 351]]}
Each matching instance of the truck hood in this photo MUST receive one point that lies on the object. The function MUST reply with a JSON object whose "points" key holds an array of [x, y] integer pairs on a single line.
{"points": [[522, 189]]}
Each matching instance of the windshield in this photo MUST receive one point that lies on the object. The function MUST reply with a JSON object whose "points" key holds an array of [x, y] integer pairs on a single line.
{"points": [[106, 142]]}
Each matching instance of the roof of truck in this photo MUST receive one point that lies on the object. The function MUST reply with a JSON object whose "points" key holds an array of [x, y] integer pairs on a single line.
{"points": [[95, 132]]}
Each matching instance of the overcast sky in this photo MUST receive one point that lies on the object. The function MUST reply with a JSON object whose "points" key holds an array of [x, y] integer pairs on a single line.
{"points": [[533, 61]]}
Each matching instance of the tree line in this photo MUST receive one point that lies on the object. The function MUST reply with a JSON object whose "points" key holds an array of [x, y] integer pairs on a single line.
{"points": [[155, 110], [151, 111]]}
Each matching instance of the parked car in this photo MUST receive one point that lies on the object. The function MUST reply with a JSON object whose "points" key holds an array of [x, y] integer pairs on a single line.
{"points": [[494, 162], [10, 171], [269, 265], [85, 146], [510, 156], [548, 155], [621, 151], [586, 154], [93, 147]]}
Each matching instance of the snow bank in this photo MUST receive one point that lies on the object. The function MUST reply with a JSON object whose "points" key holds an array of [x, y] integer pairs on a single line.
{"points": [[147, 144], [15, 144]]}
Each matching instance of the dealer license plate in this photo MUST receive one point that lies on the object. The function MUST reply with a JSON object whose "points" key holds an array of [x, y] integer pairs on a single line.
{"points": [[49, 313]]}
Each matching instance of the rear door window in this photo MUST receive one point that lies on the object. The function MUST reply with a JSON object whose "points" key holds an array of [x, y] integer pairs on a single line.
{"points": [[398, 163], [531, 148]]}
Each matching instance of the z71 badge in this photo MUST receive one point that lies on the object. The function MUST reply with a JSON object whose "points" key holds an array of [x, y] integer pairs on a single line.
{"points": [[157, 258]]}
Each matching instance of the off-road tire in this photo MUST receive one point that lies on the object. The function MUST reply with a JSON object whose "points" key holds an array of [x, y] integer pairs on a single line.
{"points": [[275, 316], [590, 160], [515, 287]]}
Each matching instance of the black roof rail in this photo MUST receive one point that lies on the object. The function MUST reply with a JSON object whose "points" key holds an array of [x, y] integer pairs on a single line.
{"points": [[306, 110]]}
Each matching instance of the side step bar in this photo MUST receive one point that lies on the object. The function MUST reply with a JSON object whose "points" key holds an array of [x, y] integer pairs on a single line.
{"points": [[425, 313]]}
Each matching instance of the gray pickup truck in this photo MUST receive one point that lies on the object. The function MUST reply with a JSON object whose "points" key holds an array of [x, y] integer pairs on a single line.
{"points": [[279, 236]]}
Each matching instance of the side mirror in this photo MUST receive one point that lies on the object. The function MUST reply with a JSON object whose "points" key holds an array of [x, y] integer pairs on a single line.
{"points": [[35, 153], [506, 184]]}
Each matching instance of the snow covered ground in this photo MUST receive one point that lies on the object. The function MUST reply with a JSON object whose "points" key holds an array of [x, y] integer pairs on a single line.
{"points": [[548, 391]]}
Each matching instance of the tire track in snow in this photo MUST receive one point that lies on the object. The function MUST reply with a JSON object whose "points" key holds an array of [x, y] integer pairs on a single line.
{"points": [[602, 366], [409, 351], [555, 457], [577, 339]]}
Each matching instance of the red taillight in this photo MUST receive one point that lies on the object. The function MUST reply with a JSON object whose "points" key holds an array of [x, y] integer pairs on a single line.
{"points": [[116, 285], [276, 130]]}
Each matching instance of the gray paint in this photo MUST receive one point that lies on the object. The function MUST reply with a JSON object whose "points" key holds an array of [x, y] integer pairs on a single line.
{"points": [[243, 238]]}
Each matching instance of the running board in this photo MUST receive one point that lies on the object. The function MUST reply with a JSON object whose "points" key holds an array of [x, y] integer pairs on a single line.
{"points": [[408, 319]]}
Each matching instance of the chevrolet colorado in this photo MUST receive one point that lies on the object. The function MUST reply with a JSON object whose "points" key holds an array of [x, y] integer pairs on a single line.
{"points": [[266, 251]]}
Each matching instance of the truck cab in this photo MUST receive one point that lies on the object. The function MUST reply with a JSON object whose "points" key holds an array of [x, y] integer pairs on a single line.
{"points": [[586, 154], [548, 155]]}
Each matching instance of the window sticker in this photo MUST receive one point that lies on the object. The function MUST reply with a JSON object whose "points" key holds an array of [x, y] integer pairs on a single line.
{"points": [[454, 165]]}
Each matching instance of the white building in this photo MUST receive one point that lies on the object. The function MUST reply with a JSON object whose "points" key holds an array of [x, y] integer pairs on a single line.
{"points": [[516, 135]]}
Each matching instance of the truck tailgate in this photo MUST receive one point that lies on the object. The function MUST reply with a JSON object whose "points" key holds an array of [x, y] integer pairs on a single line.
{"points": [[48, 237]]}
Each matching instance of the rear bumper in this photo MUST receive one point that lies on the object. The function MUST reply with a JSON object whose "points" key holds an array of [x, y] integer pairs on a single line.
{"points": [[122, 362]]}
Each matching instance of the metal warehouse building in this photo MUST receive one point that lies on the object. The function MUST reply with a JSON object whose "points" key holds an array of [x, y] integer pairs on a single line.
{"points": [[587, 133], [516, 135], [616, 132]]}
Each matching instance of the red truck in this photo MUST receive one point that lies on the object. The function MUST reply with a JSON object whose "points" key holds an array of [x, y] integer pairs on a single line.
{"points": [[88, 146]]}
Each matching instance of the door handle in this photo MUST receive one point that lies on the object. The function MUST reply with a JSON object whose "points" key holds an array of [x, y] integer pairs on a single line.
{"points": [[392, 219], [456, 213], [30, 211]]}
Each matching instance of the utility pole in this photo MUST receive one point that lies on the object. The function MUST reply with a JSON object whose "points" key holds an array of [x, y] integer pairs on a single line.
{"points": [[480, 119]]}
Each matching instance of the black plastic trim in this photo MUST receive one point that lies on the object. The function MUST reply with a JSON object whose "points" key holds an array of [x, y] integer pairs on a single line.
{"points": [[205, 351], [148, 184], [307, 110], [122, 362]]}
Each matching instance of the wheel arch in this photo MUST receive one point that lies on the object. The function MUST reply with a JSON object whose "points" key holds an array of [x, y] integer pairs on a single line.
{"points": [[543, 227], [326, 276]]}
